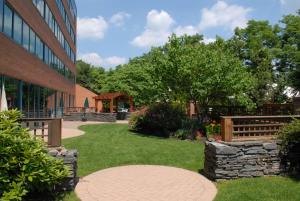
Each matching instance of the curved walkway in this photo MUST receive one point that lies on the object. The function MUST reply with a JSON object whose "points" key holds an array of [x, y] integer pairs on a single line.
{"points": [[145, 183], [71, 128]]}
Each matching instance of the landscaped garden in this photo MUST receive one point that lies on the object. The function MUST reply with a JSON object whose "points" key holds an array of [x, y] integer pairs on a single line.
{"points": [[111, 145]]}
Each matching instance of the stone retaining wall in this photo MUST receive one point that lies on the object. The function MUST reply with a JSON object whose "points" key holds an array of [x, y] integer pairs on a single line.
{"points": [[101, 117], [242, 159], [70, 159], [123, 115]]}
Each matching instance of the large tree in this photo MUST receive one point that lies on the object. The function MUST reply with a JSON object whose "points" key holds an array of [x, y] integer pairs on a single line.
{"points": [[204, 74], [290, 58], [259, 46], [135, 79], [90, 77]]}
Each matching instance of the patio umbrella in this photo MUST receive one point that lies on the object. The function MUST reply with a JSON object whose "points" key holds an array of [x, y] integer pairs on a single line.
{"points": [[86, 103], [3, 106]]}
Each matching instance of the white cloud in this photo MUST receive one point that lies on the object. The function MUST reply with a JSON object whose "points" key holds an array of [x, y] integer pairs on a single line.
{"points": [[223, 14], [160, 24], [119, 19], [91, 58], [157, 30], [188, 30], [115, 61], [96, 60], [208, 40], [92, 28]]}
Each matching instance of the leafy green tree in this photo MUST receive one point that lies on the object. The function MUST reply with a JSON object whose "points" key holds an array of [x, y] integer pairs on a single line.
{"points": [[290, 58], [204, 74], [134, 78], [90, 77], [258, 46]]}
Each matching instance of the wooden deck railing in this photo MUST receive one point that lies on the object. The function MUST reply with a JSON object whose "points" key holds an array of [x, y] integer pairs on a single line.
{"points": [[49, 130], [243, 128]]}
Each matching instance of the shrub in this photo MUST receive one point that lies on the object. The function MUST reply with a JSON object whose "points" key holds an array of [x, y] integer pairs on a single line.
{"points": [[159, 119], [290, 147], [25, 166], [290, 136]]}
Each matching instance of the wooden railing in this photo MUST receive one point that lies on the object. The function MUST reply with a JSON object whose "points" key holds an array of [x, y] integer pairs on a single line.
{"points": [[243, 128], [49, 130]]}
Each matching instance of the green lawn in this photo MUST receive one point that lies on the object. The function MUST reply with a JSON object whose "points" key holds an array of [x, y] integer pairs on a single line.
{"points": [[110, 145]]}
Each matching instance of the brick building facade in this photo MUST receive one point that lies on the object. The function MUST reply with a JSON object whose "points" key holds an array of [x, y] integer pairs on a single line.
{"points": [[38, 54]]}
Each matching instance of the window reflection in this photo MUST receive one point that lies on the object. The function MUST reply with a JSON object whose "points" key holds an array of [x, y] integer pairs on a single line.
{"points": [[25, 41], [8, 21], [35, 101], [17, 28]]}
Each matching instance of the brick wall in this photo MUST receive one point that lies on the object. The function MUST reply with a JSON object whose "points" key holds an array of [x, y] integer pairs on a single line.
{"points": [[83, 93]]}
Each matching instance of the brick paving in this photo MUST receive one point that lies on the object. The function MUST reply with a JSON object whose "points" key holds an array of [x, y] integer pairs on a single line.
{"points": [[145, 183]]}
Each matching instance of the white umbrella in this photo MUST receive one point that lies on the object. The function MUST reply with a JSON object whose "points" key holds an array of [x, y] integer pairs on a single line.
{"points": [[3, 100]]}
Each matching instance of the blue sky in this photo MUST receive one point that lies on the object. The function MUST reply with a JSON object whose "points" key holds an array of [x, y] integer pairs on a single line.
{"points": [[112, 31]]}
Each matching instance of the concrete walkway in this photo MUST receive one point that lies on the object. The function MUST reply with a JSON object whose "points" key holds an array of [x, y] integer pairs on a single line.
{"points": [[145, 183], [71, 128]]}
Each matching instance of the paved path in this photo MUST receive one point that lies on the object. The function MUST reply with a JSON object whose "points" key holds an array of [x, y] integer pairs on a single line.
{"points": [[71, 128], [145, 183]]}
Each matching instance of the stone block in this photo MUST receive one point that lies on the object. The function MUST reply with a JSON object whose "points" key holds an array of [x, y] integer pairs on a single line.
{"points": [[270, 146], [222, 149]]}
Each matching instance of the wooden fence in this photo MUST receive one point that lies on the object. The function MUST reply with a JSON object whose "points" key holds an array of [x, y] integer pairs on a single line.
{"points": [[49, 130], [244, 128]]}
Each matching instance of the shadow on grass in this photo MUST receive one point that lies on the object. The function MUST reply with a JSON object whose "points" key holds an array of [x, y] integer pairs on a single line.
{"points": [[295, 176], [46, 196], [56, 195]]}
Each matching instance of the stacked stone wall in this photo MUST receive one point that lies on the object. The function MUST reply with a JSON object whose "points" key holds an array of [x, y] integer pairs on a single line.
{"points": [[242, 159], [101, 117], [70, 160]]}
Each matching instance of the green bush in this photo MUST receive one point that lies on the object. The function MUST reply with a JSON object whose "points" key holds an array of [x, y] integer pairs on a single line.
{"points": [[193, 125], [290, 147], [25, 166], [290, 136], [160, 119]]}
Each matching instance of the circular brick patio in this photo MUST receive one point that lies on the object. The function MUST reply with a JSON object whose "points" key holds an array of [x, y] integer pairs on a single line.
{"points": [[145, 183]]}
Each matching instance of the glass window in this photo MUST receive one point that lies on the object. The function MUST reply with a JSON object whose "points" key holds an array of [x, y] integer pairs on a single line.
{"points": [[25, 41], [8, 20], [46, 55], [34, 2], [52, 25], [32, 41], [40, 6], [47, 10], [1, 14], [39, 50], [17, 28]]}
